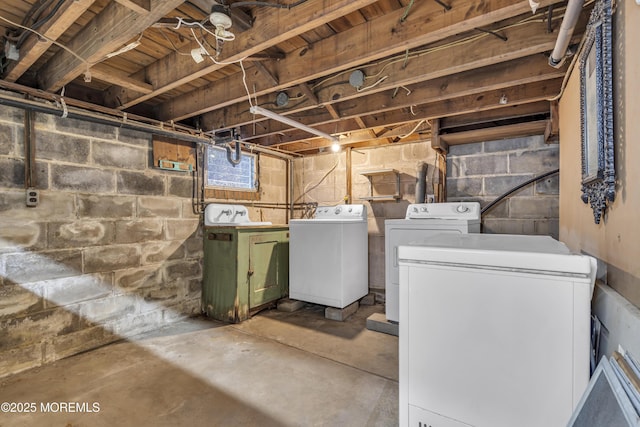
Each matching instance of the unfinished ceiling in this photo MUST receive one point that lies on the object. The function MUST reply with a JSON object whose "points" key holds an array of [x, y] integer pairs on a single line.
{"points": [[370, 72]]}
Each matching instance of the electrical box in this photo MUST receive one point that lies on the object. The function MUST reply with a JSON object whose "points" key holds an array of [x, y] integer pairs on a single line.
{"points": [[33, 197]]}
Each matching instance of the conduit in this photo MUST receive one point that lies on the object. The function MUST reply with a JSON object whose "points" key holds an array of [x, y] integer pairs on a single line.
{"points": [[571, 15], [114, 118], [516, 188]]}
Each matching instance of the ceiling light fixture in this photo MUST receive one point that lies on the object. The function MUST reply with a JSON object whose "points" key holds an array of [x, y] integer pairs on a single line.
{"points": [[286, 120]]}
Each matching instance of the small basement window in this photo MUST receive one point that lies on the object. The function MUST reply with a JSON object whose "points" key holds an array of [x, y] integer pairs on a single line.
{"points": [[223, 175]]}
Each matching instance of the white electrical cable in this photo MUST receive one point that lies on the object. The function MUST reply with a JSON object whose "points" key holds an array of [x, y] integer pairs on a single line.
{"points": [[413, 130]]}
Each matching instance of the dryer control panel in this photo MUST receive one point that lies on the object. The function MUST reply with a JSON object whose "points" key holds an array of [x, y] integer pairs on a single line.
{"points": [[451, 210], [341, 212]]}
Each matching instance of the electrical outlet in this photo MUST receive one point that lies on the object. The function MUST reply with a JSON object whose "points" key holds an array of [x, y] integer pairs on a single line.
{"points": [[431, 198], [33, 197]]}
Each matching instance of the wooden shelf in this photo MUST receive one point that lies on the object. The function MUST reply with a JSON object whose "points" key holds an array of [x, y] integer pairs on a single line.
{"points": [[370, 174]]}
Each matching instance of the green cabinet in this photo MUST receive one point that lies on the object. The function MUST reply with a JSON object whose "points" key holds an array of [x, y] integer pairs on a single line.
{"points": [[245, 269]]}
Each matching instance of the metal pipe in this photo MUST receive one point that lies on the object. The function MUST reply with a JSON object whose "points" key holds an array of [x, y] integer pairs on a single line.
{"points": [[518, 187], [421, 183], [121, 122], [571, 15]]}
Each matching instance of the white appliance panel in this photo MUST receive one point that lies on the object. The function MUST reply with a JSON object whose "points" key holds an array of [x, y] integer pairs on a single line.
{"points": [[328, 257], [489, 346], [422, 221]]}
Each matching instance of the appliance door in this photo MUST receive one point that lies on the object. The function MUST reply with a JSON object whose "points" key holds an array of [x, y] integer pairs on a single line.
{"points": [[398, 235], [491, 348]]}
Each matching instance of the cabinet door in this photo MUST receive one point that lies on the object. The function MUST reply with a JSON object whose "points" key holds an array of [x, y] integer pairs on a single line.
{"points": [[268, 268]]}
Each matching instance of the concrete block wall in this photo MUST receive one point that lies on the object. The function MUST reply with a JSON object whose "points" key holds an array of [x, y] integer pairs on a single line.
{"points": [[485, 170], [309, 172], [113, 248]]}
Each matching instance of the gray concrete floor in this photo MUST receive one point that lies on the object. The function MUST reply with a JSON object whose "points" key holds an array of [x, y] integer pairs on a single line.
{"points": [[275, 369]]}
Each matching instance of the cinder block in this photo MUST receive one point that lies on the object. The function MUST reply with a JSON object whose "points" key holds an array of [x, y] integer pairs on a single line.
{"points": [[111, 258], [20, 234], [465, 149], [157, 252], [16, 300], [341, 314], [180, 269], [534, 207], [36, 266], [549, 185], [289, 305], [194, 247], [165, 207], [534, 161], [62, 147], [134, 137], [181, 186], [7, 138], [104, 309], [119, 155], [139, 230], [464, 187], [73, 343], [508, 226], [12, 175], [105, 206], [78, 234], [83, 180], [483, 165], [85, 128], [378, 322], [73, 290], [369, 299], [151, 184], [136, 278], [511, 144], [498, 185], [182, 229], [20, 358], [12, 114]]}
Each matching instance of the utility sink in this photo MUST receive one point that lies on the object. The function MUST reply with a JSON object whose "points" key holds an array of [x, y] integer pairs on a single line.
{"points": [[222, 215]]}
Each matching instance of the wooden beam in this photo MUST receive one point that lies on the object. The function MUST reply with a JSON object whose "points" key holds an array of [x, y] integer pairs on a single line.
{"points": [[332, 111], [106, 32], [274, 26], [436, 142], [502, 61], [138, 6], [308, 92], [522, 94], [266, 73], [364, 43], [509, 112], [494, 133], [111, 75], [33, 47], [478, 81]]}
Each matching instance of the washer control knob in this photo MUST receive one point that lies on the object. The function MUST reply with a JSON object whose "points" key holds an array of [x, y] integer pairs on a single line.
{"points": [[462, 209], [415, 209], [350, 209], [338, 210], [423, 209]]}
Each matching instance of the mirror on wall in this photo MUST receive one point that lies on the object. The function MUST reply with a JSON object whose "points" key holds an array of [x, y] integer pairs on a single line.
{"points": [[596, 104]]}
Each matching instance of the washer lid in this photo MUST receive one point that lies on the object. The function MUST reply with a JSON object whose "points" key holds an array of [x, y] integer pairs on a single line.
{"points": [[535, 254]]}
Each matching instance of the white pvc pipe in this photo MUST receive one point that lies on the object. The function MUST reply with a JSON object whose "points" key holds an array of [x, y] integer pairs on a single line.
{"points": [[571, 15]]}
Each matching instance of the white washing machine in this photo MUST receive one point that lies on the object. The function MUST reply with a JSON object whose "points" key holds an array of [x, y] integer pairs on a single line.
{"points": [[328, 256], [422, 221], [494, 331]]}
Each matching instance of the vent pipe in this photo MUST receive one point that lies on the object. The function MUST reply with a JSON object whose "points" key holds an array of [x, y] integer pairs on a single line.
{"points": [[571, 15]]}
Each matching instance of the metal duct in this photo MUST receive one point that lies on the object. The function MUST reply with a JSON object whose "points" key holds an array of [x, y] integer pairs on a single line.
{"points": [[571, 15], [421, 183]]}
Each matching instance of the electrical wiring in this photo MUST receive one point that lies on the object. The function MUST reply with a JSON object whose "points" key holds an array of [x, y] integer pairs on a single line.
{"points": [[413, 130], [307, 189], [60, 45], [264, 3], [384, 64]]}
